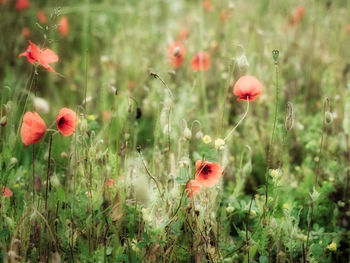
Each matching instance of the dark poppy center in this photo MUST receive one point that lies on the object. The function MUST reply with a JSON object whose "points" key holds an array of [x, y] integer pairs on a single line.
{"points": [[206, 170], [61, 121]]}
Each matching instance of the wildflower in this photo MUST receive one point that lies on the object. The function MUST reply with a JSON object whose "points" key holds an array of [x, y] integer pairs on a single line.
{"points": [[66, 121], [285, 206], [223, 15], [177, 52], [297, 15], [219, 144], [41, 105], [41, 17], [22, 4], [183, 34], [247, 88], [110, 182], [206, 139], [6, 192], [208, 6], [208, 174], [63, 26], [33, 128], [332, 246], [193, 188], [275, 174], [200, 61], [43, 57]]}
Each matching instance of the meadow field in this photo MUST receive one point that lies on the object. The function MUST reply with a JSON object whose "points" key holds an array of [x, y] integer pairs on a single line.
{"points": [[175, 131]]}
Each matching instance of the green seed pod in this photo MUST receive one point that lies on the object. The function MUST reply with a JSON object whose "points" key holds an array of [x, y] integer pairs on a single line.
{"points": [[275, 54], [328, 117]]}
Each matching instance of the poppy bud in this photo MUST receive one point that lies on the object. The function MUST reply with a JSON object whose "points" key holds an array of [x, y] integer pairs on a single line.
{"points": [[328, 117], [289, 122], [41, 105], [242, 62], [3, 121], [199, 135], [187, 133], [64, 155]]}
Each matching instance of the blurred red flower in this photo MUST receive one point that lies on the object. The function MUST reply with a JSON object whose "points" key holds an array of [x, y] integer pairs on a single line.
{"points": [[66, 121], [297, 15], [208, 6], [6, 192], [41, 17], [247, 87], [193, 188], [33, 128], [200, 61], [22, 4], [43, 57], [208, 174], [110, 182], [63, 26], [183, 34], [25, 32], [177, 52]]}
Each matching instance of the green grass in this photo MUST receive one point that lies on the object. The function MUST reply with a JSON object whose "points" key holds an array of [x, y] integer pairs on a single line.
{"points": [[110, 52]]}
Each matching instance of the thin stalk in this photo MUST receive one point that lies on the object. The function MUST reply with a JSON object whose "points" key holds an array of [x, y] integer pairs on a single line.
{"points": [[269, 159], [48, 175], [246, 227], [239, 122], [86, 78], [33, 171], [317, 171]]}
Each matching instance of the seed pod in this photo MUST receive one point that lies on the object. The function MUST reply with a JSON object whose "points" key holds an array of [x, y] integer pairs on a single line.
{"points": [[275, 54]]}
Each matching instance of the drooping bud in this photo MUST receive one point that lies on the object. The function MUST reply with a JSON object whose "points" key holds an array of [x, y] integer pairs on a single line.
{"points": [[41, 105], [242, 62], [199, 135], [289, 122], [187, 133], [3, 121], [328, 118], [275, 54]]}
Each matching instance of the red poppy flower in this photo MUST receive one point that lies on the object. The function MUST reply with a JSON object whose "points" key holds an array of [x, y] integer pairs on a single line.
{"points": [[297, 15], [63, 26], [200, 61], [208, 6], [193, 188], [22, 4], [177, 52], [247, 87], [41, 16], [43, 57], [183, 34], [33, 128], [208, 174], [6, 192], [110, 182], [66, 121]]}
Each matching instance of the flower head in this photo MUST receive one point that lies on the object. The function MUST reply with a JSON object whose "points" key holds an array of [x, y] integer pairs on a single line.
{"points": [[110, 182], [200, 61], [208, 6], [63, 26], [66, 121], [177, 52], [183, 34], [297, 15], [193, 188], [206, 139], [41, 17], [43, 57], [22, 4], [33, 128], [208, 174], [6, 192], [332, 246], [219, 144], [247, 88]]}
